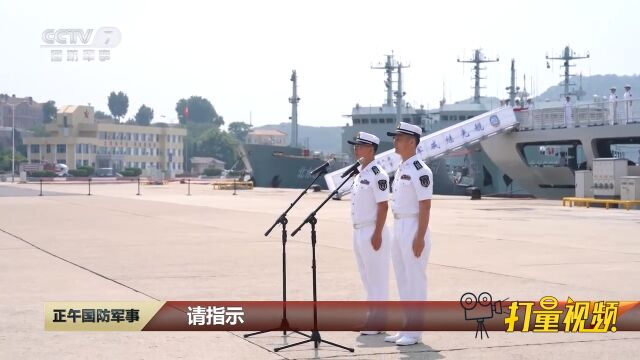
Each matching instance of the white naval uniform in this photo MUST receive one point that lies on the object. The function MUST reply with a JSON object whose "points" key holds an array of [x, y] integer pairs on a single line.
{"points": [[613, 108], [627, 106], [370, 187], [568, 119], [413, 182]]}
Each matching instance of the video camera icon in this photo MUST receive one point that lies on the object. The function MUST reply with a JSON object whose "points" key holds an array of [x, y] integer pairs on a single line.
{"points": [[479, 309]]}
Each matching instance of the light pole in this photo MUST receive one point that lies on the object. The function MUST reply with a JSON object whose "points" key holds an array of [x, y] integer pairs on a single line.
{"points": [[13, 137], [13, 142]]}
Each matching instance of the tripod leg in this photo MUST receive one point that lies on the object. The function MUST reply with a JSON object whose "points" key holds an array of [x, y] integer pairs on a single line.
{"points": [[291, 345], [337, 345], [255, 333]]}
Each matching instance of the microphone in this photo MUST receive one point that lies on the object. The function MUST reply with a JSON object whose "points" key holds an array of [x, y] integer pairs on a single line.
{"points": [[324, 166], [352, 168]]}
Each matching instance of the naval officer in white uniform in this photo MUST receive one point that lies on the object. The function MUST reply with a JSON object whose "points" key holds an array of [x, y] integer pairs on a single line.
{"points": [[613, 106], [411, 206], [371, 238], [628, 104]]}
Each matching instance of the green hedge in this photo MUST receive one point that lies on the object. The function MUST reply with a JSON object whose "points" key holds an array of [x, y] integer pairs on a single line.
{"points": [[42, 174], [82, 171], [131, 172], [88, 169]]}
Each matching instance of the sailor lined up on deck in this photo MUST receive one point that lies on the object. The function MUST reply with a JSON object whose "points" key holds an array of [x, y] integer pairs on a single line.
{"points": [[613, 106], [628, 103], [568, 118]]}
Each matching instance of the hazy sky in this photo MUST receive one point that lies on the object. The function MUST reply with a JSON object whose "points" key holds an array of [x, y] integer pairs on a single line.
{"points": [[239, 54]]}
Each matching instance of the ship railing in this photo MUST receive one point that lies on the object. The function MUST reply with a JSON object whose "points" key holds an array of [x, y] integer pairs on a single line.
{"points": [[620, 112]]}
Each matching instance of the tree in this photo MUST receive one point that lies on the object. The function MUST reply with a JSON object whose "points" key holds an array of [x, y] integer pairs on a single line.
{"points": [[216, 143], [239, 130], [102, 115], [49, 111], [197, 109], [118, 104], [144, 115]]}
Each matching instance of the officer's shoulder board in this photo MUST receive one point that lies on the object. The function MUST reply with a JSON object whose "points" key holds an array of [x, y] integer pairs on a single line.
{"points": [[375, 170], [418, 165]]}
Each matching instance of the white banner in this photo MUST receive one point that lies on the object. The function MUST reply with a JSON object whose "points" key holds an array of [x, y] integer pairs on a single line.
{"points": [[439, 142]]}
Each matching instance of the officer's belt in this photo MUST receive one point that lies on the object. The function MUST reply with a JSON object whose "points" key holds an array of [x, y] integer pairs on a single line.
{"points": [[363, 225], [404, 216]]}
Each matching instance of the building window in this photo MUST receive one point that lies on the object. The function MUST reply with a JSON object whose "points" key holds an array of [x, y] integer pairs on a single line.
{"points": [[61, 148], [135, 137], [48, 149], [35, 149], [374, 121], [389, 121], [356, 121], [143, 165], [365, 121], [78, 148], [157, 138]]}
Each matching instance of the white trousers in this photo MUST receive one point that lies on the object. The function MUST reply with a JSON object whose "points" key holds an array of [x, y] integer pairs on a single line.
{"points": [[613, 109], [411, 272], [373, 265]]}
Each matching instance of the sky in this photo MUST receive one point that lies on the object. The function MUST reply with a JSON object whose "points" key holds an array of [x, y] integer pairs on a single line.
{"points": [[240, 54]]}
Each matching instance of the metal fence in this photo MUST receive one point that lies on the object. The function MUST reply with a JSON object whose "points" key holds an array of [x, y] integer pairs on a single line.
{"points": [[621, 112]]}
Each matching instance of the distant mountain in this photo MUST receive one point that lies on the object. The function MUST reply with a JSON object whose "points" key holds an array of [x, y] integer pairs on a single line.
{"points": [[595, 85], [318, 138]]}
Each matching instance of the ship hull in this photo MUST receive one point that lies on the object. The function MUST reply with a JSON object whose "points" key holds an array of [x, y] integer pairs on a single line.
{"points": [[284, 166]]}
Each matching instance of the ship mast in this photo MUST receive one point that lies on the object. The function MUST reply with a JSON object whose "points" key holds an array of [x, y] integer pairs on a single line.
{"points": [[390, 66], [294, 100], [567, 56], [478, 59], [399, 95], [513, 89]]}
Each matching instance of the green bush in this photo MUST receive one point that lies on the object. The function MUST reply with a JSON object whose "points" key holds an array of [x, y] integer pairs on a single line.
{"points": [[131, 172], [212, 172], [42, 174], [78, 173], [88, 169]]}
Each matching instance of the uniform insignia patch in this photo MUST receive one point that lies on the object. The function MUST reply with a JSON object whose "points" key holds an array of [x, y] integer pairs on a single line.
{"points": [[405, 177], [382, 184], [424, 180], [364, 181], [375, 170], [417, 165]]}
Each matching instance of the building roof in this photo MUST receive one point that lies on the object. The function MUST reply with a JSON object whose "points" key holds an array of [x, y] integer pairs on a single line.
{"points": [[266, 132], [205, 160], [67, 109]]}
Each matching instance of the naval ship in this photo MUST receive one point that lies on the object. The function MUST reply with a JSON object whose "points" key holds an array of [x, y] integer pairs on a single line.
{"points": [[457, 171], [517, 146], [286, 166]]}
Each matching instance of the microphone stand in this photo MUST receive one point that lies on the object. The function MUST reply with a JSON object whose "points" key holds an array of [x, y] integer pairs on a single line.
{"points": [[282, 220], [311, 219]]}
